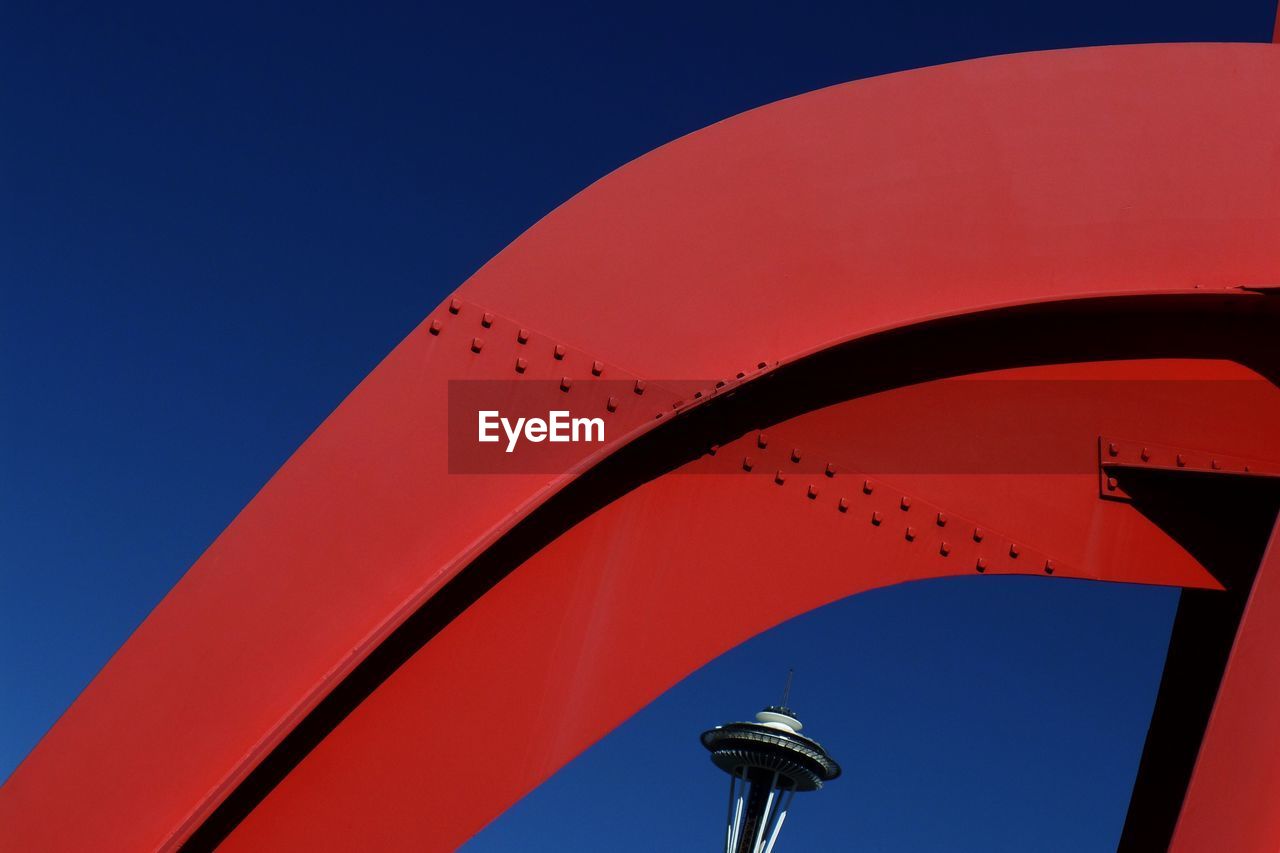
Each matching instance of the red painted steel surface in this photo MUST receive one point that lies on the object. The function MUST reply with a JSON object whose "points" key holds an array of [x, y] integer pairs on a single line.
{"points": [[885, 203], [667, 578], [1231, 803]]}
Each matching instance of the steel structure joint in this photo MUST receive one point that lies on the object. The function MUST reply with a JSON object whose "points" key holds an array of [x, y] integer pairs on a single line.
{"points": [[1117, 456]]}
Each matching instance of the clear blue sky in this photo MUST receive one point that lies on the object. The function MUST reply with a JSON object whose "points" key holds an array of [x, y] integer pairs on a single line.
{"points": [[217, 220]]}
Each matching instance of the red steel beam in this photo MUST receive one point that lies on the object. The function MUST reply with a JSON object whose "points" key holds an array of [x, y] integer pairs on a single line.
{"points": [[1042, 179], [1223, 508], [663, 579], [1231, 801]]}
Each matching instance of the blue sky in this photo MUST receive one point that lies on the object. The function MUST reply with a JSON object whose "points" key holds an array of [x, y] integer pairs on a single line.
{"points": [[217, 220]]}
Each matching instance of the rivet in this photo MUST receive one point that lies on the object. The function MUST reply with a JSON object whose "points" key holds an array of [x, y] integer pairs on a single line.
{"points": [[1111, 483], [612, 404], [1246, 469], [1013, 551], [720, 384], [1181, 462], [697, 395], [945, 548], [639, 386], [779, 477], [813, 491], [942, 519], [740, 375], [1112, 449], [831, 469], [558, 352], [978, 534], [843, 506], [1146, 454], [455, 305], [762, 440], [565, 383], [436, 326], [867, 487], [981, 564], [713, 449], [521, 365], [762, 365], [1048, 567], [876, 518], [795, 454], [597, 367], [911, 534], [476, 345], [746, 463], [522, 336], [486, 320], [1215, 465], [905, 503]]}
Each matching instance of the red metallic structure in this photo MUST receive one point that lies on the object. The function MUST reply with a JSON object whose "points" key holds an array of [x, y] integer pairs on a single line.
{"points": [[1013, 315]]}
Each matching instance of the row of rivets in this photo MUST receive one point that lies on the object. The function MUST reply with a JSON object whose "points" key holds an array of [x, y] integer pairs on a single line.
{"points": [[877, 518], [559, 351], [1185, 459]]}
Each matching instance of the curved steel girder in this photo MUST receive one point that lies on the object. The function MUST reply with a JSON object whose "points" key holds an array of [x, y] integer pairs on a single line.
{"points": [[1031, 178], [640, 592]]}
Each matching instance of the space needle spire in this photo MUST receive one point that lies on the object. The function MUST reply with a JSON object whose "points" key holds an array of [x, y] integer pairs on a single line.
{"points": [[768, 762]]}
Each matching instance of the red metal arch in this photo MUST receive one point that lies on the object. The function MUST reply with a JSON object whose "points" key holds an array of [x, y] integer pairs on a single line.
{"points": [[1143, 174]]}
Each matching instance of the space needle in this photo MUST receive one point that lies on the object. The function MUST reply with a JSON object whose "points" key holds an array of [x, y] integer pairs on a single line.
{"points": [[768, 761]]}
